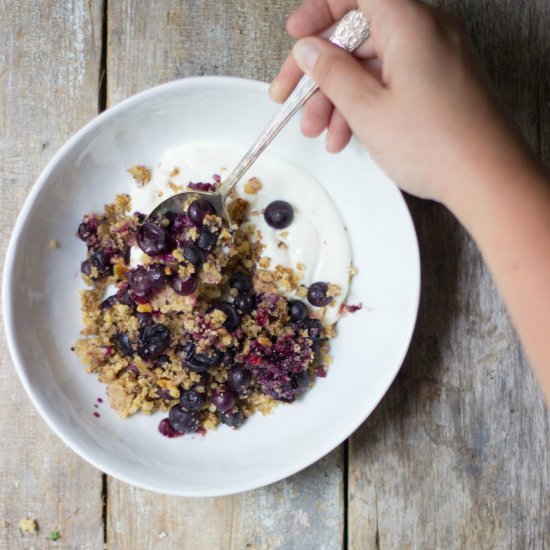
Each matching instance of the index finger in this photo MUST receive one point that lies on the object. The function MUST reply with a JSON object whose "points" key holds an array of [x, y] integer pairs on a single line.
{"points": [[313, 16]]}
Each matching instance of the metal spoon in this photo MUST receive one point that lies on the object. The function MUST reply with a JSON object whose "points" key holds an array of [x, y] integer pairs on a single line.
{"points": [[352, 30]]}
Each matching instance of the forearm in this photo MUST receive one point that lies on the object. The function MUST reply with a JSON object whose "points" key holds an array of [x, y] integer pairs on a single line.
{"points": [[508, 215]]}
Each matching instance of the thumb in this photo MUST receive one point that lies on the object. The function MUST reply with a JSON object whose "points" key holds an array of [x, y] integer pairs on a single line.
{"points": [[339, 75]]}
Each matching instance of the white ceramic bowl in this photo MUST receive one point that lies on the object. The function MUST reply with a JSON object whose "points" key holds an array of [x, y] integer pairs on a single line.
{"points": [[41, 302]]}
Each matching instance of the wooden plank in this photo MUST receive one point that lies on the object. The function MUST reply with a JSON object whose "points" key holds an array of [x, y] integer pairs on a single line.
{"points": [[147, 47], [457, 454], [49, 68]]}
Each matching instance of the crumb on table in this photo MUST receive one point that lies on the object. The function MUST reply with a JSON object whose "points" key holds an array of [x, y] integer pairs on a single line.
{"points": [[28, 525], [54, 244]]}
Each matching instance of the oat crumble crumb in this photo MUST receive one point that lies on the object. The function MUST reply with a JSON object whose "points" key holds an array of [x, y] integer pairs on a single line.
{"points": [[54, 244], [175, 172], [252, 186], [141, 175], [334, 290], [175, 188]]}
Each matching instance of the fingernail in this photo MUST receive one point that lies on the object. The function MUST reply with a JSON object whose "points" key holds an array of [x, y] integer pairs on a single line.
{"points": [[305, 53]]}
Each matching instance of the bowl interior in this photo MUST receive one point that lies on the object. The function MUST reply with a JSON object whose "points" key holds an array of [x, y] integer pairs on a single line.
{"points": [[43, 314]]}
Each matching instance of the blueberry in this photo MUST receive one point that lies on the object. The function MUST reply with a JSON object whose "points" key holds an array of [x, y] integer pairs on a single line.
{"points": [[167, 430], [233, 319], [244, 304], [86, 268], [228, 358], [198, 209], [183, 421], [233, 418], [184, 287], [200, 362], [162, 360], [164, 394], [300, 381], [223, 399], [207, 240], [156, 276], [138, 279], [314, 329], [85, 231], [192, 253], [241, 282], [279, 214], [123, 344], [144, 318], [192, 400], [153, 239], [154, 339], [317, 295], [297, 310], [109, 302], [239, 379], [125, 296], [102, 262]]}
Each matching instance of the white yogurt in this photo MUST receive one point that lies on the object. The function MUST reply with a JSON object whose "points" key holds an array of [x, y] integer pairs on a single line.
{"points": [[316, 239]]}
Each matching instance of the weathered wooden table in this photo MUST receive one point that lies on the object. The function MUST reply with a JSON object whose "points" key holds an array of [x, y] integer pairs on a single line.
{"points": [[457, 455]]}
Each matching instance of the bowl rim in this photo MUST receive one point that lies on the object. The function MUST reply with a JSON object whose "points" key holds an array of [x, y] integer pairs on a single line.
{"points": [[8, 309]]}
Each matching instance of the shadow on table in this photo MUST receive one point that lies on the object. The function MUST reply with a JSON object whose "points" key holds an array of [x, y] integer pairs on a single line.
{"points": [[512, 42]]}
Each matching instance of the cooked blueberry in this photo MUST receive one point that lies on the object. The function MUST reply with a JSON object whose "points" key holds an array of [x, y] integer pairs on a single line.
{"points": [[154, 339], [108, 302], [144, 318], [300, 381], [192, 400], [316, 347], [198, 209], [184, 287], [164, 394], [86, 267], [244, 304], [183, 421], [228, 358], [241, 282], [153, 239], [125, 296], [123, 344], [223, 399], [232, 318], [233, 418], [297, 310], [279, 214], [102, 261], [200, 362], [179, 223], [139, 281], [85, 231], [162, 360], [314, 329], [167, 430], [317, 295], [207, 240], [239, 379], [192, 253], [156, 276]]}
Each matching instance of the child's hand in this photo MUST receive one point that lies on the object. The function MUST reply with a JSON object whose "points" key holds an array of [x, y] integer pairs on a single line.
{"points": [[413, 94]]}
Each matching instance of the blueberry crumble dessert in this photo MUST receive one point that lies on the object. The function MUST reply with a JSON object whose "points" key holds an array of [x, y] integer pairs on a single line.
{"points": [[184, 314]]}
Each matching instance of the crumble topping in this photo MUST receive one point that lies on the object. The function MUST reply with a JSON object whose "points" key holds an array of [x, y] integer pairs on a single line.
{"points": [[200, 328]]}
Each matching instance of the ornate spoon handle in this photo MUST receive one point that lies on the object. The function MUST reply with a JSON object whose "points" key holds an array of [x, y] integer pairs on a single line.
{"points": [[351, 31]]}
